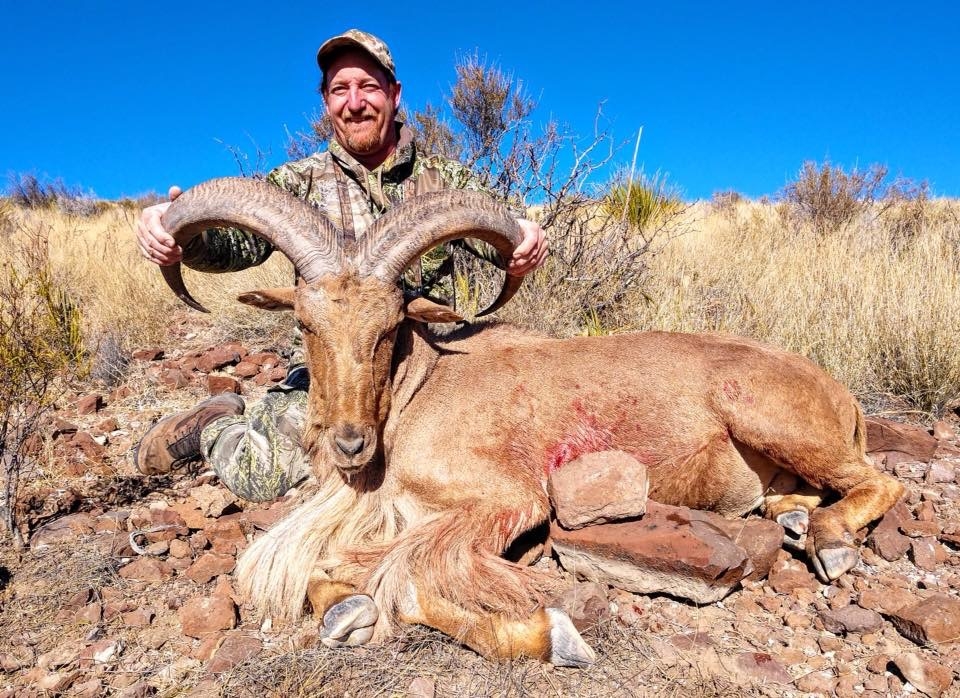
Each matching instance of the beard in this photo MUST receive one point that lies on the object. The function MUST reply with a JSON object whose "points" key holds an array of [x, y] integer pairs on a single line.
{"points": [[363, 136]]}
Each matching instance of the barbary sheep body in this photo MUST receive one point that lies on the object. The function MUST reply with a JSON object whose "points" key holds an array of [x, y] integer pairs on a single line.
{"points": [[431, 455]]}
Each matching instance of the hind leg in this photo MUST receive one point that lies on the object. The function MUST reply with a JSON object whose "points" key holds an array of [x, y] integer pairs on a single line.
{"points": [[830, 538], [792, 510]]}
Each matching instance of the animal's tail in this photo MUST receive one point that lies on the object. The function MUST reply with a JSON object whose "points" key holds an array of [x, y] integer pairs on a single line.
{"points": [[859, 430]]}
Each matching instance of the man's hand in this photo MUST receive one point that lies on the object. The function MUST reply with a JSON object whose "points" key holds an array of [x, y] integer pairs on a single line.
{"points": [[531, 251], [155, 243]]}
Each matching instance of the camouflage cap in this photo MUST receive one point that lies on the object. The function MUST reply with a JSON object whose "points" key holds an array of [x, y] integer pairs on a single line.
{"points": [[354, 38]]}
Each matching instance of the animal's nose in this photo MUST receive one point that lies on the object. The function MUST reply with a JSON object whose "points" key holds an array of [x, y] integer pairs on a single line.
{"points": [[350, 445]]}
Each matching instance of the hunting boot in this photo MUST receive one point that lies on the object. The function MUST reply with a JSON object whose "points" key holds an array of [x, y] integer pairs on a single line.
{"points": [[175, 440]]}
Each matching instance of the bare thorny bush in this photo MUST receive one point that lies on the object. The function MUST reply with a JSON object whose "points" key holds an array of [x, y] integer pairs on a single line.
{"points": [[597, 261], [826, 199], [41, 348]]}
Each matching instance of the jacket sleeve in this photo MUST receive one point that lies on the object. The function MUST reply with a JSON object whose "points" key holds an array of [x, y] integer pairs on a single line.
{"points": [[231, 249]]}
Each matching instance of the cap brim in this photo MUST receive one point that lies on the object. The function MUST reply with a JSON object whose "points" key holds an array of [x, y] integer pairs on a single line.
{"points": [[331, 46]]}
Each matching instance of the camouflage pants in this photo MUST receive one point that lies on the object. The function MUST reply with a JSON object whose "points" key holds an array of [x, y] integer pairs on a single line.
{"points": [[257, 455]]}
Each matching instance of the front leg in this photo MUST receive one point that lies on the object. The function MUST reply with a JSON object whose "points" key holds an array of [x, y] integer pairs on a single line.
{"points": [[446, 572], [547, 634], [348, 618]]}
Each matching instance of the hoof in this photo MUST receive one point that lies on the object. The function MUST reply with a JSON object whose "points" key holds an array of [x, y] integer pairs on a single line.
{"points": [[830, 563], [350, 622], [567, 648], [796, 521]]}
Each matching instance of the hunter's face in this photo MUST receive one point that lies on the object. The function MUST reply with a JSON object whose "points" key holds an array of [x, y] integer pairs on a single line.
{"points": [[362, 104]]}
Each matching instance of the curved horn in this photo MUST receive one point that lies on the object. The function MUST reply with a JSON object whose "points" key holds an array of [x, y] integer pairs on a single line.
{"points": [[404, 233], [290, 224]]}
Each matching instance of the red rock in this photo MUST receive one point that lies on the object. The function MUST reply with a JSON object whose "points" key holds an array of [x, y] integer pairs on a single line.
{"points": [[58, 682], [818, 682], [246, 369], [108, 425], [210, 565], [598, 488], [943, 430], [275, 375], [920, 529], [174, 378], [940, 472], [218, 357], [926, 675], [101, 652], [85, 442], [154, 354], [237, 347], [934, 620], [208, 645], [90, 404], [192, 516], [788, 576], [226, 536], [924, 553], [61, 427], [761, 539], [585, 603], [66, 528], [851, 619], [88, 689], [91, 613], [264, 519], [146, 569], [889, 436], [237, 647], [885, 539], [761, 667], [885, 600], [120, 394], [207, 614], [180, 549], [217, 384], [138, 617], [212, 501], [265, 359], [78, 600], [669, 550]]}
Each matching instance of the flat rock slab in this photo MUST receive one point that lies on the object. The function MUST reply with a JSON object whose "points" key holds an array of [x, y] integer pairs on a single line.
{"points": [[906, 441], [671, 550]]}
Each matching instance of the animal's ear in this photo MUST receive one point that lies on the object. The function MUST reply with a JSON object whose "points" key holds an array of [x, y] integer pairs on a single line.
{"points": [[269, 298], [425, 310]]}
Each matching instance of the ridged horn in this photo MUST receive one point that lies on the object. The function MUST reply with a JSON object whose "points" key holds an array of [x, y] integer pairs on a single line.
{"points": [[290, 224], [404, 233]]}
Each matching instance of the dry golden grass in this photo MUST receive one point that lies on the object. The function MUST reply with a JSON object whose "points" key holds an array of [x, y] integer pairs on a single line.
{"points": [[879, 312], [876, 306], [123, 297]]}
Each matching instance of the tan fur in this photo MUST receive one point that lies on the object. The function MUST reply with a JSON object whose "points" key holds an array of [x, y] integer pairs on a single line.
{"points": [[460, 435]]}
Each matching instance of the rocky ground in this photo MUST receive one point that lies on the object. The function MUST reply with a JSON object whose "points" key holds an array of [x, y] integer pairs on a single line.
{"points": [[126, 587]]}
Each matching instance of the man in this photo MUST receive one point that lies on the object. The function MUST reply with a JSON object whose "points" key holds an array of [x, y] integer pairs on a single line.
{"points": [[371, 165]]}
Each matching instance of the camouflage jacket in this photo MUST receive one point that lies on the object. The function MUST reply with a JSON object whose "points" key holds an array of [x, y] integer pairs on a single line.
{"points": [[352, 198]]}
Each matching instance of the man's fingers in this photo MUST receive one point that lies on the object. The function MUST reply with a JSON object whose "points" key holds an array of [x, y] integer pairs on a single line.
{"points": [[174, 192]]}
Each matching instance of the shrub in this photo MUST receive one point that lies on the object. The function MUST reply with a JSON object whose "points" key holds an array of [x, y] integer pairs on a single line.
{"points": [[828, 198], [28, 191], [41, 346], [643, 202]]}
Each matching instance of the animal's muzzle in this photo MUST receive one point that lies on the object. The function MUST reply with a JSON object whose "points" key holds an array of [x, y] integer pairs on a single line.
{"points": [[350, 445]]}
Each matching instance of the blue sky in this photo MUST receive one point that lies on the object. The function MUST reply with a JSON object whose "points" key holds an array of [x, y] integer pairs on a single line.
{"points": [[127, 97]]}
